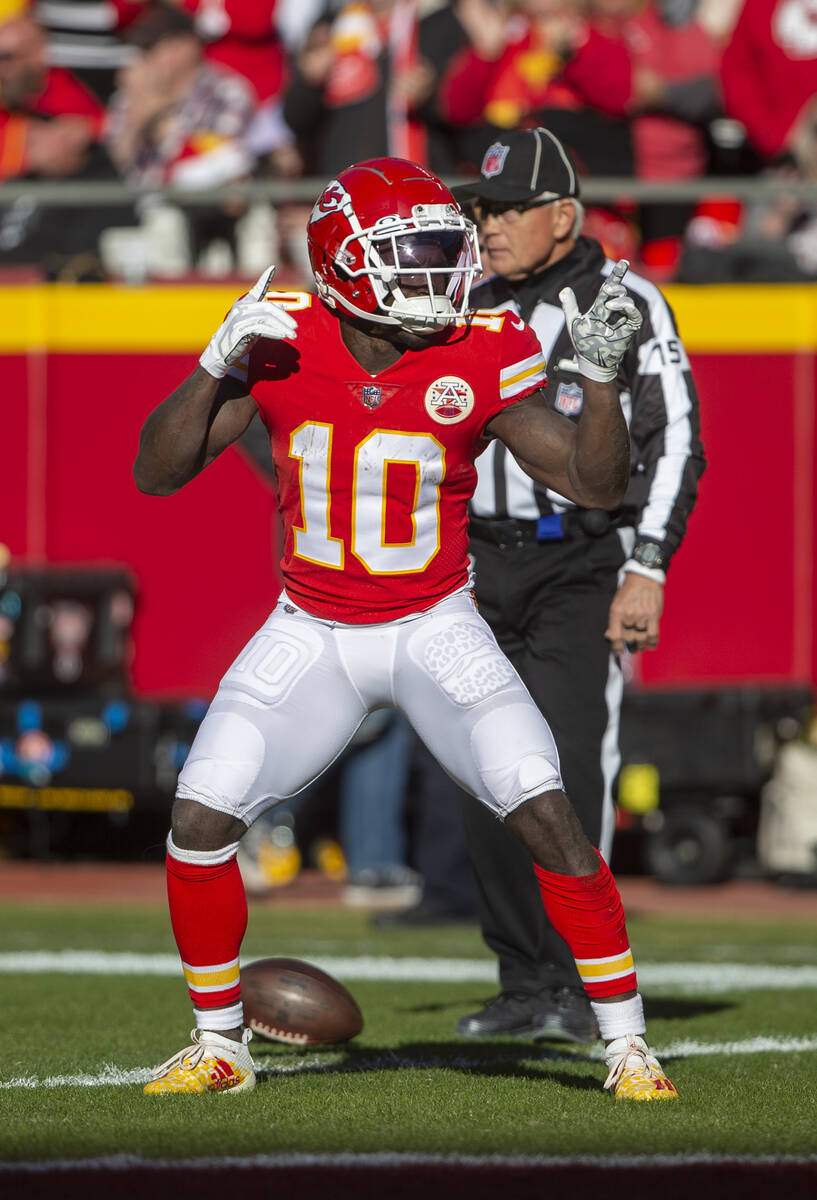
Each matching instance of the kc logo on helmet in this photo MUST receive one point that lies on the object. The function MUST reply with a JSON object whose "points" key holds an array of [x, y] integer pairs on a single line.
{"points": [[494, 160], [449, 399], [332, 198]]}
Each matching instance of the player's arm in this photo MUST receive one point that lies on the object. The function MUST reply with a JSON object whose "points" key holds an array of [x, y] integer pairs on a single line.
{"points": [[588, 462], [202, 417], [208, 412]]}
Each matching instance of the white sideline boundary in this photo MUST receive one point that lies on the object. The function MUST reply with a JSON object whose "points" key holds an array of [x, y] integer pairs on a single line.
{"points": [[678, 977], [334, 1062], [131, 1162]]}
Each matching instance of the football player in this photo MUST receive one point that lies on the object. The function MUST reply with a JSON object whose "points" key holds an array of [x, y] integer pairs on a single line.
{"points": [[378, 395]]}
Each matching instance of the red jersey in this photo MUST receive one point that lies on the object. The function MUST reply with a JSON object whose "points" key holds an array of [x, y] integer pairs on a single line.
{"points": [[375, 471]]}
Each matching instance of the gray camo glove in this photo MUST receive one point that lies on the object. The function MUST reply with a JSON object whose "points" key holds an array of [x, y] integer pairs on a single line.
{"points": [[602, 335], [252, 317]]}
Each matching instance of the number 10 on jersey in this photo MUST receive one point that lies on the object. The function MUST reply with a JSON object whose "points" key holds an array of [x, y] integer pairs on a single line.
{"points": [[311, 445]]}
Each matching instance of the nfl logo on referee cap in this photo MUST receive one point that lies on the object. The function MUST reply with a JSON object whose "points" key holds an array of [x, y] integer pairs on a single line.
{"points": [[494, 160]]}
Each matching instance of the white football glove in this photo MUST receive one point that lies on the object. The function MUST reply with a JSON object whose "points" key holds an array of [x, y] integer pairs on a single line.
{"points": [[602, 335], [252, 317]]}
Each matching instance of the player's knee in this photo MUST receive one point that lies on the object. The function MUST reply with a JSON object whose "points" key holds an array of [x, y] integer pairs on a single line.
{"points": [[515, 755], [223, 768], [547, 824], [194, 826], [516, 783]]}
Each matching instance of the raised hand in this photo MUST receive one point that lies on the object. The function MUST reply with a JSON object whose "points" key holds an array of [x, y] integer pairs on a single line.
{"points": [[602, 335], [252, 317]]}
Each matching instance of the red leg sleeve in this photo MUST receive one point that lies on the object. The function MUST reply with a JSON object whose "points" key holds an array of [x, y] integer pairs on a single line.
{"points": [[208, 912], [586, 910]]}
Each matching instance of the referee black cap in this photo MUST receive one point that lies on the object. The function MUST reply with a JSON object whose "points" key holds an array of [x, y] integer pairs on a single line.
{"points": [[522, 165]]}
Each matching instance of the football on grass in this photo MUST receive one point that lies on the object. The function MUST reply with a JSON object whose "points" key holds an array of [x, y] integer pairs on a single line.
{"points": [[286, 1000]]}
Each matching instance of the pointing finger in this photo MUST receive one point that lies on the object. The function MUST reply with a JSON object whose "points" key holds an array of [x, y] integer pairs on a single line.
{"points": [[261, 286], [619, 270]]}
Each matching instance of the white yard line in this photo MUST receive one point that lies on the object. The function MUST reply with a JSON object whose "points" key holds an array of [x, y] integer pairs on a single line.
{"points": [[677, 977], [336, 1061]]}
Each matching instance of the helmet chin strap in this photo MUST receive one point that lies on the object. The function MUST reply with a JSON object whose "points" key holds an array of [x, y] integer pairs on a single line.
{"points": [[424, 314]]}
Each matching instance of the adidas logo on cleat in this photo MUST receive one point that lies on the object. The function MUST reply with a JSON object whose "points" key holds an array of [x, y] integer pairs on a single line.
{"points": [[198, 1068]]}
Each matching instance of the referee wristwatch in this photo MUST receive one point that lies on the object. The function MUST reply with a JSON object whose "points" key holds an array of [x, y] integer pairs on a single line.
{"points": [[650, 554], [648, 559]]}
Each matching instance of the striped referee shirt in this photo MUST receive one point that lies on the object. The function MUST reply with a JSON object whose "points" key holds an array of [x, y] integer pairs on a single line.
{"points": [[656, 388]]}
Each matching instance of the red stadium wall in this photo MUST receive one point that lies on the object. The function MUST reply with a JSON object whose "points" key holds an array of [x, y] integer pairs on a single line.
{"points": [[742, 591]]}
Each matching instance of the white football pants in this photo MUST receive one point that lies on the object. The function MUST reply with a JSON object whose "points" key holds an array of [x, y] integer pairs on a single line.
{"points": [[299, 689]]}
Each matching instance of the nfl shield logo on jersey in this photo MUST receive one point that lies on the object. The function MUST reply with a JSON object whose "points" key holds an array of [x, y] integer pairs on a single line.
{"points": [[372, 395], [494, 160], [569, 399], [449, 399]]}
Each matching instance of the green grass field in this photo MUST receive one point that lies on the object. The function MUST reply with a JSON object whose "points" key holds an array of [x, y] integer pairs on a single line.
{"points": [[730, 1004]]}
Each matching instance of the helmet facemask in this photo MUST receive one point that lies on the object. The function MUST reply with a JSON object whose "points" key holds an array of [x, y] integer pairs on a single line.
{"points": [[420, 268]]}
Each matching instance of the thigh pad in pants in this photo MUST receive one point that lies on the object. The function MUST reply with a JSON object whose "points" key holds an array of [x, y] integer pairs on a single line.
{"points": [[472, 710], [284, 711]]}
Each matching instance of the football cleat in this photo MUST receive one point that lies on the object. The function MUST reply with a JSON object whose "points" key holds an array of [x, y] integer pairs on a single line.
{"points": [[634, 1073], [211, 1064]]}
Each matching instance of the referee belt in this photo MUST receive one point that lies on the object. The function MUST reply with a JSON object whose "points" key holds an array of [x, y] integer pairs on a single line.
{"points": [[556, 527]]}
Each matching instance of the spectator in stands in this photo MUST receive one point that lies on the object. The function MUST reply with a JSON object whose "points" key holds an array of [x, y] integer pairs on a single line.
{"points": [[769, 75], [767, 240], [358, 82], [675, 94], [363, 87], [177, 120], [85, 36], [241, 35], [49, 129], [174, 119], [48, 120], [541, 62]]}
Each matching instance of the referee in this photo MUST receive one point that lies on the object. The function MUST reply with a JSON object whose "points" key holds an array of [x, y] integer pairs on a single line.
{"points": [[565, 589]]}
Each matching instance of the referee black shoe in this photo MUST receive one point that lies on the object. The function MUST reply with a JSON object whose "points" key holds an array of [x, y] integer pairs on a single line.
{"points": [[559, 1014], [510, 1014], [566, 1016]]}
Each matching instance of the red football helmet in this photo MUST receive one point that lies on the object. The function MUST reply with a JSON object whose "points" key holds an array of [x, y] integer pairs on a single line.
{"points": [[388, 242]]}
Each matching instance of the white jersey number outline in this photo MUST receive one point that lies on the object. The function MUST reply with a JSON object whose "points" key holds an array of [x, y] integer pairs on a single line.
{"points": [[311, 445]]}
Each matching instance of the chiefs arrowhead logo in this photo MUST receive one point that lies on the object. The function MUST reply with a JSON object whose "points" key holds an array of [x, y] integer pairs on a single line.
{"points": [[332, 199]]}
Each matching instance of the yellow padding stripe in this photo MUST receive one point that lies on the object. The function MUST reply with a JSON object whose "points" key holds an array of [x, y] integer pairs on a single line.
{"points": [[594, 969], [202, 979], [716, 318]]}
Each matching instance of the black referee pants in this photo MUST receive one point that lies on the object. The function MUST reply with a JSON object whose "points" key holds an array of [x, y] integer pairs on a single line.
{"points": [[548, 606]]}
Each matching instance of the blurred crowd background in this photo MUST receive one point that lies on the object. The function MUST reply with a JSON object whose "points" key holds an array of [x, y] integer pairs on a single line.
{"points": [[195, 94]]}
